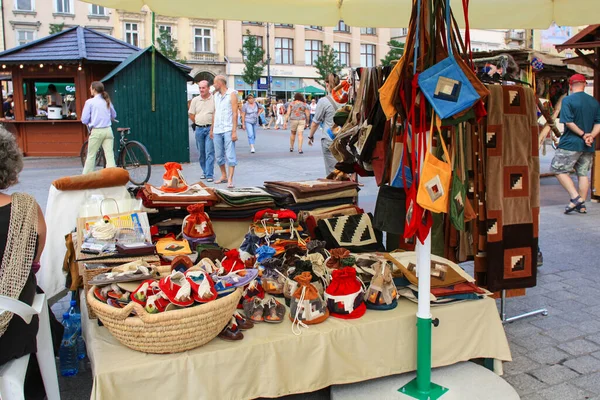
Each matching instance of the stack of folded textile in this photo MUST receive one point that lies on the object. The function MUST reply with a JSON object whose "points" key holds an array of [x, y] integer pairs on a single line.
{"points": [[241, 203], [198, 193], [308, 195], [449, 282]]}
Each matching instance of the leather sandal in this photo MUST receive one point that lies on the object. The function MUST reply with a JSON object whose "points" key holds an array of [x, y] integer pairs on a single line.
{"points": [[578, 202]]}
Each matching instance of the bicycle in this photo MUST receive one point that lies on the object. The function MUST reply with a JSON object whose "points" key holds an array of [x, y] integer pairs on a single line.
{"points": [[132, 156]]}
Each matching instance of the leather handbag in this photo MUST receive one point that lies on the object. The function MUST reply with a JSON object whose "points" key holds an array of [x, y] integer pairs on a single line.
{"points": [[390, 210], [445, 85], [434, 182]]}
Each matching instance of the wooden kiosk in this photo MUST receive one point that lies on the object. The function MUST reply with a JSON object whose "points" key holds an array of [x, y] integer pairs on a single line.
{"points": [[76, 56]]}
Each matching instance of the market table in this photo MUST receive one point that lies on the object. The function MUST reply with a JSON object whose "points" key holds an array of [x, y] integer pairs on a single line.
{"points": [[271, 361]]}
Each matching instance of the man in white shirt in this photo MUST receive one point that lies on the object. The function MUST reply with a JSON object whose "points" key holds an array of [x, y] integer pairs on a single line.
{"points": [[201, 112], [224, 128]]}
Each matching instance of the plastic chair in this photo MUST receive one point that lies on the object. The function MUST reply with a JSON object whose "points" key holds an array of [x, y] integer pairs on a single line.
{"points": [[12, 374]]}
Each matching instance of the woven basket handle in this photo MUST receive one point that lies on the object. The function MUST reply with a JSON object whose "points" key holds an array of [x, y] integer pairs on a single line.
{"points": [[125, 312], [102, 203]]}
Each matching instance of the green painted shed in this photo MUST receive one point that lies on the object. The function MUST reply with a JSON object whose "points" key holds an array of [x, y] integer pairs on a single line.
{"points": [[164, 131]]}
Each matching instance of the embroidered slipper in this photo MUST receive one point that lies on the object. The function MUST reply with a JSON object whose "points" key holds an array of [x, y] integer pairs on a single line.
{"points": [[156, 303], [177, 289], [98, 294], [243, 323], [241, 277], [231, 332], [254, 310], [181, 264], [203, 288], [143, 291], [274, 311]]}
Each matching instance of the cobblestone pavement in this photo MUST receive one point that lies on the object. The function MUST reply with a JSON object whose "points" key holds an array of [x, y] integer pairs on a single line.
{"points": [[554, 357]]}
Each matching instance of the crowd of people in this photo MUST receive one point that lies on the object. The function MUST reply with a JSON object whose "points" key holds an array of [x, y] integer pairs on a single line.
{"points": [[216, 118]]}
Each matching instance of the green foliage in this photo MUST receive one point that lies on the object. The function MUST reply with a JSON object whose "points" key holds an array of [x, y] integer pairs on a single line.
{"points": [[167, 45], [55, 28], [396, 51], [326, 64], [253, 60]]}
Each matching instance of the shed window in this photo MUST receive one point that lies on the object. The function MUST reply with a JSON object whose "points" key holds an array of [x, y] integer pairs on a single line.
{"points": [[64, 7], [25, 36], [203, 40], [132, 33], [24, 5], [97, 10], [40, 95]]}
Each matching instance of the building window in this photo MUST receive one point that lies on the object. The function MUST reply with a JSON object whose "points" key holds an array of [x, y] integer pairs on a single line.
{"points": [[64, 7], [259, 40], [132, 34], [367, 55], [284, 25], [403, 31], [316, 27], [97, 10], [167, 28], [342, 27], [24, 5], [25, 36], [343, 53], [202, 40], [367, 31], [252, 23], [284, 51], [312, 50]]}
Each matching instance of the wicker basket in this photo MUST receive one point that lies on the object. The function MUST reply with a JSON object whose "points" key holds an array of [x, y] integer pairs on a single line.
{"points": [[167, 332]]}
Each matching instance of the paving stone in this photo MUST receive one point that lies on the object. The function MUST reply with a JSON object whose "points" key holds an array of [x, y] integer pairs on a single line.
{"points": [[583, 365], [579, 347], [594, 338], [554, 374], [564, 333], [560, 294], [589, 382], [554, 286], [519, 365], [551, 321], [568, 305], [548, 278], [548, 356], [570, 274], [525, 383], [580, 282], [532, 396], [534, 342], [564, 391], [575, 317], [588, 326], [521, 328], [516, 349], [596, 354]]}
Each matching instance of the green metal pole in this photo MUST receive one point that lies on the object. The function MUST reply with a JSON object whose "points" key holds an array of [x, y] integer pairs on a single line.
{"points": [[423, 355], [153, 62]]}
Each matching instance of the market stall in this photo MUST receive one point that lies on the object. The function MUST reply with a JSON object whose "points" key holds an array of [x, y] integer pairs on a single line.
{"points": [[51, 78]]}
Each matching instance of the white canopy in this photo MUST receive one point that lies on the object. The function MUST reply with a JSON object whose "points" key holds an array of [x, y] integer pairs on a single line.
{"points": [[484, 14]]}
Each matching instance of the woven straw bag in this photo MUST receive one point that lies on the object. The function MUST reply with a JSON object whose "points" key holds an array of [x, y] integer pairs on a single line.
{"points": [[166, 332]]}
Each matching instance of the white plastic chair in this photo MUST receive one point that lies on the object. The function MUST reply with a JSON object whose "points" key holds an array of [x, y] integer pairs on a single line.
{"points": [[12, 374]]}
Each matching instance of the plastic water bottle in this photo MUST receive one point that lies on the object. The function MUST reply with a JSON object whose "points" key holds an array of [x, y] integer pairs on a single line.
{"points": [[75, 318], [69, 364]]}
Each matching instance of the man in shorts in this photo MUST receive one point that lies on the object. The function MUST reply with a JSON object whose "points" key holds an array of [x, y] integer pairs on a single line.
{"points": [[580, 113]]}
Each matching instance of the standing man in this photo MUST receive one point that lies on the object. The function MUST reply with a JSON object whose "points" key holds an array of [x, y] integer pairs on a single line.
{"points": [[580, 113], [201, 112], [224, 128], [326, 108]]}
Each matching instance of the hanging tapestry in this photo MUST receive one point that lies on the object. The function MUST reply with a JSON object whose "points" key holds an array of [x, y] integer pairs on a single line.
{"points": [[512, 188]]}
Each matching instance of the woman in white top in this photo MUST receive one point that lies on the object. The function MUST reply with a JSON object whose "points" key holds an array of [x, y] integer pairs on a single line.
{"points": [[54, 98]]}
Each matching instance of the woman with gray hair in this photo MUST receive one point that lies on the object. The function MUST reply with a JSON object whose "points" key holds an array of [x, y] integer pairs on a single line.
{"points": [[22, 238]]}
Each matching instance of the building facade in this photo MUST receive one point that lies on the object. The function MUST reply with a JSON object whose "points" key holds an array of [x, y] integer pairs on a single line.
{"points": [[481, 39], [293, 50], [27, 20]]}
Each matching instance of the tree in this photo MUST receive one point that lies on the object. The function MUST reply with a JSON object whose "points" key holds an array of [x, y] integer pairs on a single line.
{"points": [[167, 45], [55, 28], [327, 63], [253, 60], [396, 51]]}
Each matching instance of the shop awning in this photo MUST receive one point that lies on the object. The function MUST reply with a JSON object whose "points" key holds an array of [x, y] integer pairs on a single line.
{"points": [[484, 14], [311, 90]]}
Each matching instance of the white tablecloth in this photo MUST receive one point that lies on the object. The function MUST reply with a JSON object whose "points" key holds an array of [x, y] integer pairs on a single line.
{"points": [[61, 215], [271, 361]]}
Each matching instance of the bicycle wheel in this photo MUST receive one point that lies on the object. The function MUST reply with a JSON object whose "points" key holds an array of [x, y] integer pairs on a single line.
{"points": [[100, 159], [136, 160]]}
